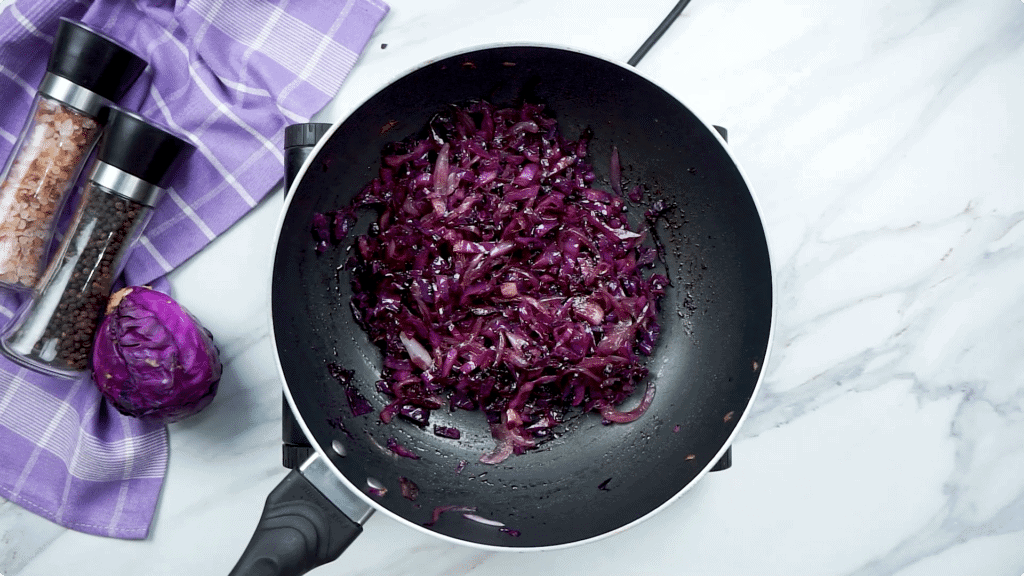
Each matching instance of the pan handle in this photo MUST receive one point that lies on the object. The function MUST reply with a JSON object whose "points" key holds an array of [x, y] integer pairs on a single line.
{"points": [[301, 528], [725, 462]]}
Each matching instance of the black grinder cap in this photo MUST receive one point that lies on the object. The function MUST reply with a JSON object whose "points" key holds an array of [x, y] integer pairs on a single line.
{"points": [[93, 61], [305, 134], [144, 150]]}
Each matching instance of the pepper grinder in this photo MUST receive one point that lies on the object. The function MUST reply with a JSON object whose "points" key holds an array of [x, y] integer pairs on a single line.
{"points": [[54, 331]]}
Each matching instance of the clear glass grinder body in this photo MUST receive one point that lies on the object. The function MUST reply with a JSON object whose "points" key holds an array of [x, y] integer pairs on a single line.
{"points": [[86, 73], [54, 330]]}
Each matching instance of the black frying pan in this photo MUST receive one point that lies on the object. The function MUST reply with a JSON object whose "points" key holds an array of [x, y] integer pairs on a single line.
{"points": [[593, 479]]}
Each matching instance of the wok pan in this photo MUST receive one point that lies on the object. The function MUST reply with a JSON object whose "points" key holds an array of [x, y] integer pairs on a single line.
{"points": [[593, 480]]}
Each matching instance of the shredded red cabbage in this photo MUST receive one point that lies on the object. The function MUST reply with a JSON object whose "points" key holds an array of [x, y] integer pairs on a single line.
{"points": [[397, 448], [482, 520], [496, 276], [447, 432], [436, 514], [615, 171], [410, 490], [375, 488], [356, 402]]}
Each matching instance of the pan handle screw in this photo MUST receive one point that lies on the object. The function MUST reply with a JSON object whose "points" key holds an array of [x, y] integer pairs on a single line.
{"points": [[339, 448]]}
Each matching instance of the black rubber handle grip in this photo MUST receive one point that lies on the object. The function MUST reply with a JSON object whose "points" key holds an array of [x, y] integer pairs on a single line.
{"points": [[296, 448], [300, 529], [725, 462], [299, 141]]}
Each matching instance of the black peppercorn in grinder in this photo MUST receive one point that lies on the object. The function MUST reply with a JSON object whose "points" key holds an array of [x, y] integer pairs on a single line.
{"points": [[55, 329]]}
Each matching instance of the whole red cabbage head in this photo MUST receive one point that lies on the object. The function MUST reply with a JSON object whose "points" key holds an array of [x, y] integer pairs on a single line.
{"points": [[152, 359]]}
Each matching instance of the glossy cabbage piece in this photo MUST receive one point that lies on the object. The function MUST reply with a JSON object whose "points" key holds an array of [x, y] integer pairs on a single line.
{"points": [[152, 359]]}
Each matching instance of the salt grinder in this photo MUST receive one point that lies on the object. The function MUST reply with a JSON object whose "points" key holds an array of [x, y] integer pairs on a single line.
{"points": [[54, 331], [85, 74]]}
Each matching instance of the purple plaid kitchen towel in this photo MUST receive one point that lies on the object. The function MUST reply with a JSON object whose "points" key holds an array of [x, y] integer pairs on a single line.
{"points": [[228, 75]]}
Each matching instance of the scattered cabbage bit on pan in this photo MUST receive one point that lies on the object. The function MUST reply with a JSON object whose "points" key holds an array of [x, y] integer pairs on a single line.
{"points": [[496, 278]]}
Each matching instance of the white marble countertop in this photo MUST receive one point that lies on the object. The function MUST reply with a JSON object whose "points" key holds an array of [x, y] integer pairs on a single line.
{"points": [[886, 144]]}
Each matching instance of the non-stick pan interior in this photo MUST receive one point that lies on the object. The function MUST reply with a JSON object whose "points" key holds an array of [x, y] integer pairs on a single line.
{"points": [[715, 318]]}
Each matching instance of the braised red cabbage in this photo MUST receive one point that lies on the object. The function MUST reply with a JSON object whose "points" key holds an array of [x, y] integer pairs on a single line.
{"points": [[397, 448], [410, 491], [436, 514], [497, 277], [447, 432]]}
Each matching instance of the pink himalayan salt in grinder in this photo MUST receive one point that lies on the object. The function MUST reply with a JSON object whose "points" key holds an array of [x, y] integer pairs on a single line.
{"points": [[87, 72]]}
